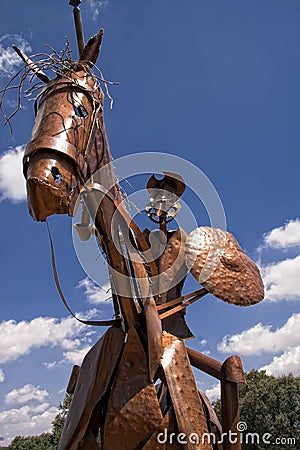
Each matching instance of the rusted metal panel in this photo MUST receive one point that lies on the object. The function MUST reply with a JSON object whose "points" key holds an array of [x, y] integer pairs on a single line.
{"points": [[132, 375], [169, 283], [154, 337], [232, 370], [172, 268], [217, 261], [205, 363], [94, 378], [230, 415], [73, 380], [135, 422], [211, 413], [232, 374], [183, 390], [164, 438], [89, 442], [153, 322], [172, 274]]}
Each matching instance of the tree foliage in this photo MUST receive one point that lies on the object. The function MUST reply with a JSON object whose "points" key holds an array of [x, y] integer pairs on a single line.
{"points": [[270, 405], [267, 404], [59, 421], [42, 442], [46, 441]]}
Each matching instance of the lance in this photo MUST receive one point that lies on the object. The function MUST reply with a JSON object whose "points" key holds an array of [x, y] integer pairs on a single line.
{"points": [[78, 25]]}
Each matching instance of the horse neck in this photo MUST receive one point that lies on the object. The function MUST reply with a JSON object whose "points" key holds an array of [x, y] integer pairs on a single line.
{"points": [[105, 176], [103, 170]]}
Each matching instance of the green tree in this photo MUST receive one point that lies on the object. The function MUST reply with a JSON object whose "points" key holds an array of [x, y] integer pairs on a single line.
{"points": [[42, 442], [270, 405], [45, 441], [59, 421]]}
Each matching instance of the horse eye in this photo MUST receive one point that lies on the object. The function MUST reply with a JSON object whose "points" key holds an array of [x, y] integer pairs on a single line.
{"points": [[80, 111], [56, 174]]}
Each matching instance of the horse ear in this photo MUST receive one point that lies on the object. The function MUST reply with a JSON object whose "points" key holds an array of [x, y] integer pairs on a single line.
{"points": [[91, 50], [31, 64]]}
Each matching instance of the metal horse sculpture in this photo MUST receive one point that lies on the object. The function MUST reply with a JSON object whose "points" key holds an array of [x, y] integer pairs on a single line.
{"points": [[136, 385]]}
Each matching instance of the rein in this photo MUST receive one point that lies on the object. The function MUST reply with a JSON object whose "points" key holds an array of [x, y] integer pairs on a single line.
{"points": [[97, 323]]}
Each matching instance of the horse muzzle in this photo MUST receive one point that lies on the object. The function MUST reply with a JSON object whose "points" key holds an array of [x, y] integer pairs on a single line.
{"points": [[52, 186]]}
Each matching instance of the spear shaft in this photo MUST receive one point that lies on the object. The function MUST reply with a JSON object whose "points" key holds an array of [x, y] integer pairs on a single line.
{"points": [[78, 25]]}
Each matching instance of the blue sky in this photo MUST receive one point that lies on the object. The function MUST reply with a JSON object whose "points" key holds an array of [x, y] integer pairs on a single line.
{"points": [[214, 82]]}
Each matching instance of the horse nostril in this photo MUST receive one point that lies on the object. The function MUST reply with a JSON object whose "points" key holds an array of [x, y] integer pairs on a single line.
{"points": [[56, 174]]}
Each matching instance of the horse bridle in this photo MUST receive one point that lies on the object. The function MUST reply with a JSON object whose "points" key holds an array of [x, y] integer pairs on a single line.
{"points": [[60, 145]]}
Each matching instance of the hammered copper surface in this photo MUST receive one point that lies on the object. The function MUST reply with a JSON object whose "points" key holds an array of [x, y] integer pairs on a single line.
{"points": [[52, 186], [131, 377], [93, 381], [154, 337], [89, 442], [232, 370], [62, 145], [230, 415], [90, 52], [184, 393], [73, 380], [205, 363], [211, 413], [217, 261], [172, 274], [171, 181], [156, 441], [172, 268], [135, 422]]}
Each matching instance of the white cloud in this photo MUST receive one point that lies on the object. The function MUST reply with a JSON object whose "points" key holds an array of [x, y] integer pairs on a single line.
{"points": [[50, 365], [2, 376], [25, 394], [96, 6], [282, 280], [19, 338], [95, 294], [213, 393], [76, 356], [9, 60], [286, 236], [26, 421], [12, 181], [261, 338], [288, 362]]}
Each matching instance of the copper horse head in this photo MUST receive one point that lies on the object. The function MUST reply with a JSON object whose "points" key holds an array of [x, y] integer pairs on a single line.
{"points": [[62, 153]]}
